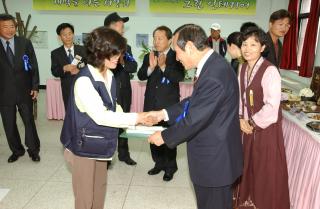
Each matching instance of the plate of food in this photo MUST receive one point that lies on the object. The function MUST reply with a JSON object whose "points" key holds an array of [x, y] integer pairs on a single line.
{"points": [[314, 126], [314, 116]]}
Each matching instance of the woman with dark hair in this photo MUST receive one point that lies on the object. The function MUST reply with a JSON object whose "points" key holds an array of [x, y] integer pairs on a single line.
{"points": [[264, 183], [234, 42], [90, 129]]}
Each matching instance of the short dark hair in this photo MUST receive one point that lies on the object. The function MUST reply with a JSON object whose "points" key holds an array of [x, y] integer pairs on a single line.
{"points": [[103, 43], [193, 33], [5, 17], [257, 33], [63, 26], [165, 29], [235, 38], [246, 25], [280, 14]]}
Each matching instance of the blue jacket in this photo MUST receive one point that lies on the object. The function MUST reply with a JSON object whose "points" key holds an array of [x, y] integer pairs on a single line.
{"points": [[80, 134]]}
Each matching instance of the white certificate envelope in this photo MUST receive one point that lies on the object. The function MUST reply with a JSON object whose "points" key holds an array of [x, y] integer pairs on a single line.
{"points": [[143, 130]]}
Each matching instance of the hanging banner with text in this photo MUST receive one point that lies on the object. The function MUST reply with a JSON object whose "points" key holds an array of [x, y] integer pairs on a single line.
{"points": [[234, 7], [86, 5]]}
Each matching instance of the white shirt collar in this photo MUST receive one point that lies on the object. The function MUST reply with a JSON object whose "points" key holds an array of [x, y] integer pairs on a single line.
{"points": [[203, 61], [66, 49]]}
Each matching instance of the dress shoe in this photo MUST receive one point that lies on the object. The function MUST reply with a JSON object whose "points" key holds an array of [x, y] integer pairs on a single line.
{"points": [[154, 171], [35, 157], [14, 157], [129, 161], [168, 176]]}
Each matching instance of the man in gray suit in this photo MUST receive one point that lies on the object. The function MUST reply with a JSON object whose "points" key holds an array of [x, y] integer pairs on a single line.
{"points": [[208, 121], [19, 83]]}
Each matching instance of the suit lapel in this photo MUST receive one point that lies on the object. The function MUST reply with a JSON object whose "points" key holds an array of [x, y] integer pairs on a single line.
{"points": [[205, 68], [64, 55], [18, 52], [4, 54]]}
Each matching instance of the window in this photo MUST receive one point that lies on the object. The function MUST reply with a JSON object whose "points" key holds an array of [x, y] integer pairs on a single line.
{"points": [[304, 13]]}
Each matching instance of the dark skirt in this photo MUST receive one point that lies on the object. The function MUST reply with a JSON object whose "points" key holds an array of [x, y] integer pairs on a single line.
{"points": [[264, 183]]}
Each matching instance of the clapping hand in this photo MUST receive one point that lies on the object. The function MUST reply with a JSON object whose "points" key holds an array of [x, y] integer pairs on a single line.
{"points": [[153, 60], [162, 61], [156, 139]]}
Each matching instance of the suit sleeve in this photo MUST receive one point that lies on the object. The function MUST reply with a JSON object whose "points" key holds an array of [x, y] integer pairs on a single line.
{"points": [[174, 70], [34, 65], [176, 110], [56, 67], [204, 105], [130, 66], [143, 71]]}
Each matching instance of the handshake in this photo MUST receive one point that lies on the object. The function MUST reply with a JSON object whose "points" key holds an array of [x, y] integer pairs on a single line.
{"points": [[149, 119]]}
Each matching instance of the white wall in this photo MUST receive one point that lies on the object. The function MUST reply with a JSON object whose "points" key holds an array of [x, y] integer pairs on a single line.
{"points": [[142, 21]]}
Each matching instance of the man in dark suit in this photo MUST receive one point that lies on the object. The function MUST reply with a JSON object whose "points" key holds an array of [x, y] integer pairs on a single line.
{"points": [[19, 82], [163, 73], [62, 58], [279, 25], [208, 121], [122, 72]]}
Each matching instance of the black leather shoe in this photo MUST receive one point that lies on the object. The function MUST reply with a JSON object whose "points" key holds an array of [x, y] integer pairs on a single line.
{"points": [[14, 158], [129, 161], [168, 176], [35, 157], [154, 171]]}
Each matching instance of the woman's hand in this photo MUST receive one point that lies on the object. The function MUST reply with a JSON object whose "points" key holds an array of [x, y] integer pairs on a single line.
{"points": [[245, 126]]}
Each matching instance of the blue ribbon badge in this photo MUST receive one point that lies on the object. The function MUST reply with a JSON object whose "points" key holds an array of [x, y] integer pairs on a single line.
{"points": [[26, 62], [165, 80], [185, 112], [128, 57]]}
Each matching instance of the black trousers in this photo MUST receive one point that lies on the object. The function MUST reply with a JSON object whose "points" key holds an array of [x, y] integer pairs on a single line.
{"points": [[164, 157], [9, 120], [123, 148], [213, 197]]}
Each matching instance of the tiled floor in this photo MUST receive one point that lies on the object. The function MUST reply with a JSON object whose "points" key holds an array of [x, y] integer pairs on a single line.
{"points": [[47, 185]]}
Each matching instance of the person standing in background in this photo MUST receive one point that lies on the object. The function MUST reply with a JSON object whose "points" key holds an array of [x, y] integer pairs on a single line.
{"points": [[216, 42], [126, 65], [234, 41], [62, 57], [163, 74], [19, 84], [279, 25]]}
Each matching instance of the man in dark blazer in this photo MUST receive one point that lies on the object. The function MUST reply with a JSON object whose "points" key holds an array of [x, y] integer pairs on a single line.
{"points": [[19, 82], [208, 121], [62, 58], [279, 25], [163, 73], [122, 73]]}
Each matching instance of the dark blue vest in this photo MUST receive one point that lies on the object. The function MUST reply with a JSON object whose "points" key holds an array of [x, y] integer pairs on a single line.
{"points": [[80, 134]]}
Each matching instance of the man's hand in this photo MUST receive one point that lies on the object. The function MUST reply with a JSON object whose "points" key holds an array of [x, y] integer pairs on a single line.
{"points": [[69, 68], [34, 94], [158, 115], [156, 139], [145, 119], [245, 126], [74, 71], [162, 61], [153, 60]]}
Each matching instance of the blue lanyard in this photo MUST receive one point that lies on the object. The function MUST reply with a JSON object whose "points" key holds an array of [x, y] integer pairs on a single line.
{"points": [[165, 80], [185, 112]]}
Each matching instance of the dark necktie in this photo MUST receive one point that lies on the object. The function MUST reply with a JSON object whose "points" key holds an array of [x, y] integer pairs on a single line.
{"points": [[70, 56], [10, 54]]}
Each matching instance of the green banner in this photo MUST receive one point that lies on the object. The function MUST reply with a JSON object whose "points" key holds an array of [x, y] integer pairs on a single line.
{"points": [[86, 5], [234, 7]]}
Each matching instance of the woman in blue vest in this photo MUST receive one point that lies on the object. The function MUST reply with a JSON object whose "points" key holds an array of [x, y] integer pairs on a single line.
{"points": [[90, 129]]}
